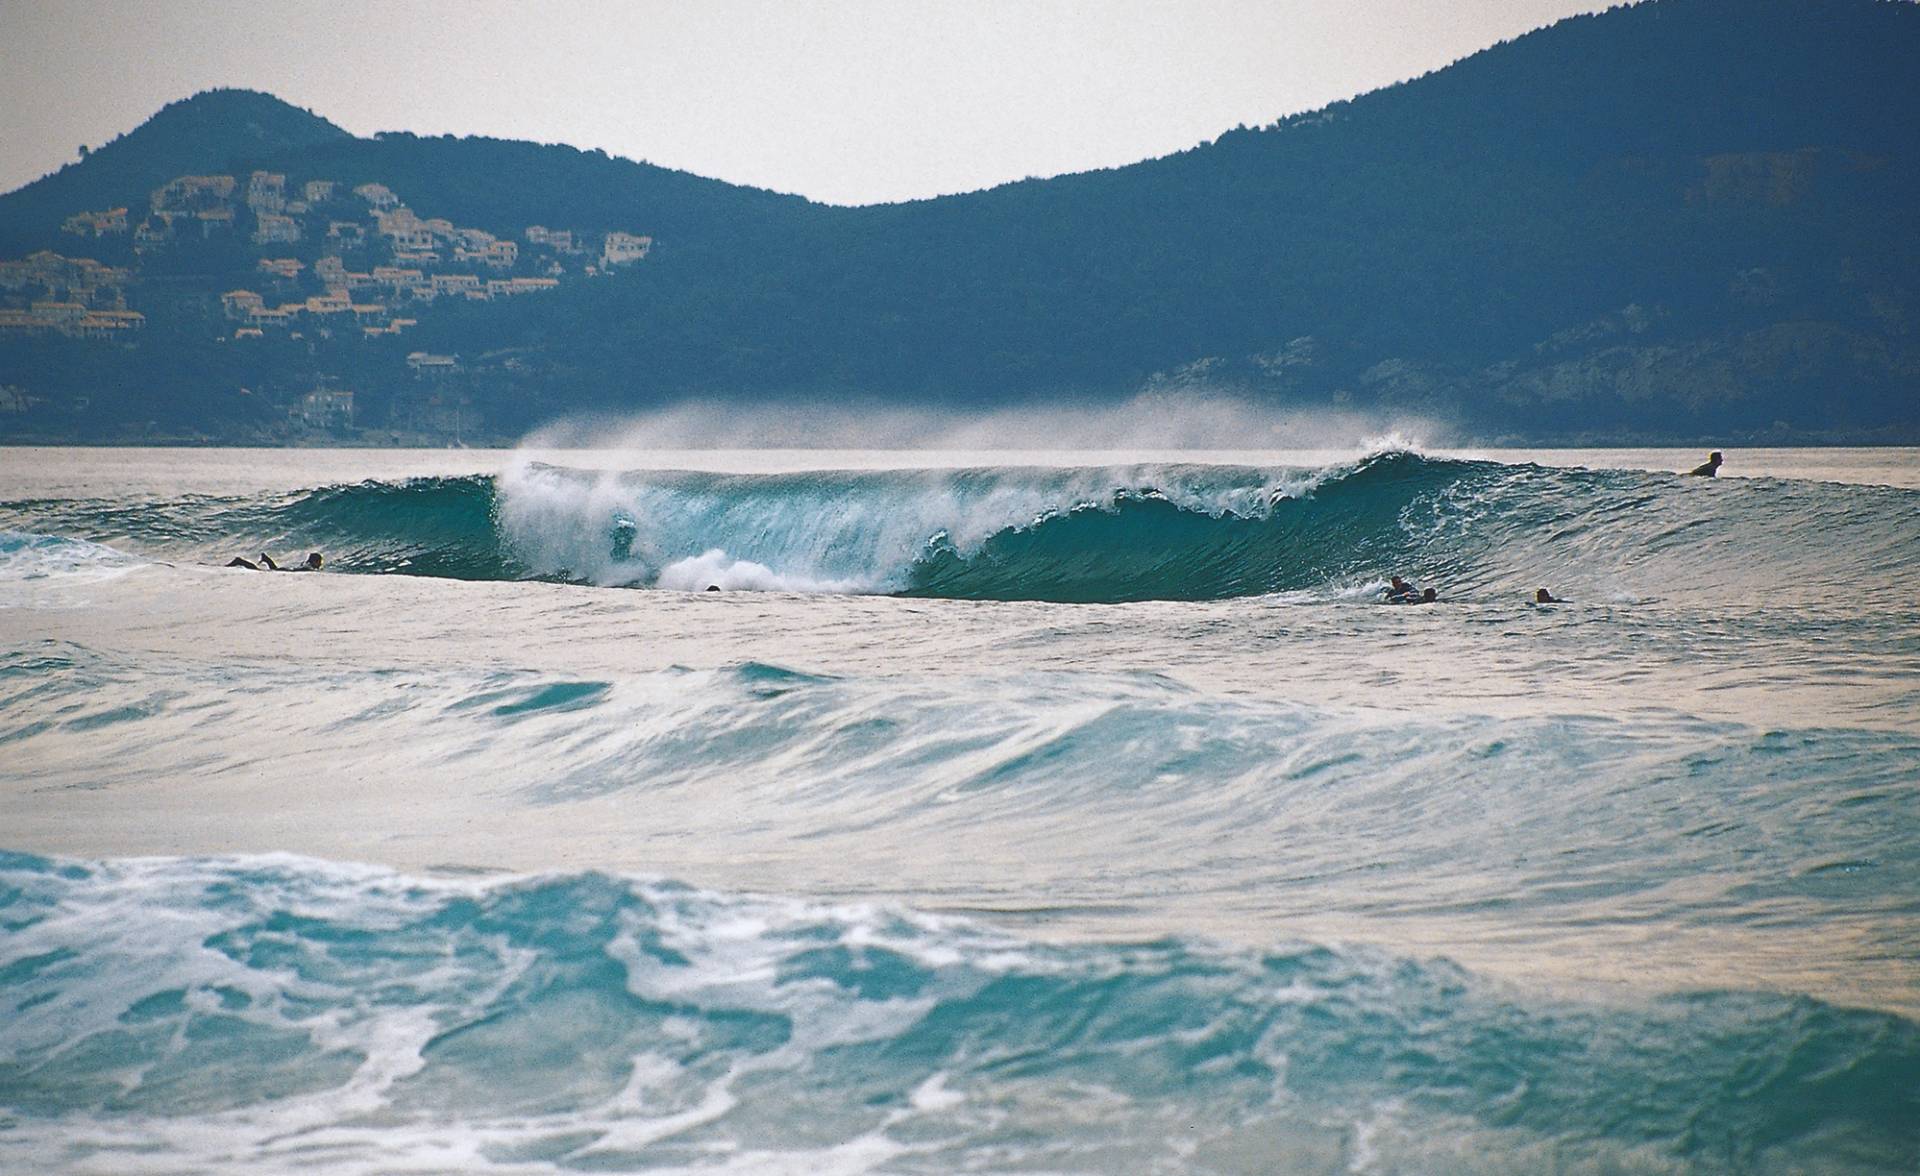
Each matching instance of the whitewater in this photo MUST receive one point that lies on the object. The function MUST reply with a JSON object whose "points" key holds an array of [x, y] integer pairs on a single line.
{"points": [[920, 812]]}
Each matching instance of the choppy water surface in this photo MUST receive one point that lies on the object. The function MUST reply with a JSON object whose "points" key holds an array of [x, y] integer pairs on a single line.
{"points": [[1067, 813]]}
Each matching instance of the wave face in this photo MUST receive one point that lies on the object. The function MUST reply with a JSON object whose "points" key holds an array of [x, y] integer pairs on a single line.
{"points": [[432, 526], [250, 1014], [1147, 532]]}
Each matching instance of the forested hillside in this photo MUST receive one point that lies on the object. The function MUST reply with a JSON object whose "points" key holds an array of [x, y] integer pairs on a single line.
{"points": [[1687, 218]]}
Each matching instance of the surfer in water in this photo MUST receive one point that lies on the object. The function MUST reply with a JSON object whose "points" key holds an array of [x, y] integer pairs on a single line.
{"points": [[1708, 468], [1542, 596], [1401, 592], [314, 562]]}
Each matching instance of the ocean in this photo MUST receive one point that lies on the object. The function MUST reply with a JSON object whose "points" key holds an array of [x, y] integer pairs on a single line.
{"points": [[1022, 812]]}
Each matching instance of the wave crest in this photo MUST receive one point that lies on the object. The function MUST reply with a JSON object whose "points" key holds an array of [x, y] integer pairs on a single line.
{"points": [[1096, 534]]}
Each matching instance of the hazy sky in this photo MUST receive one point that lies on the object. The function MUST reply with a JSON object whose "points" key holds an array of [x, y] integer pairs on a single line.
{"points": [[851, 101]]}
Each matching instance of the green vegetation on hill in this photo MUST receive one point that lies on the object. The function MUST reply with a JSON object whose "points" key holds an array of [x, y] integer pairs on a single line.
{"points": [[1684, 218], [205, 133]]}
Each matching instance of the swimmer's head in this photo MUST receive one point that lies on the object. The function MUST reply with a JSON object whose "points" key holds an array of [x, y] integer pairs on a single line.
{"points": [[1429, 596], [315, 560], [1543, 597]]}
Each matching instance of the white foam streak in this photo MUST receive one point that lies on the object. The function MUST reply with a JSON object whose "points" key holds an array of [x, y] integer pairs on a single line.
{"points": [[41, 571], [716, 569]]}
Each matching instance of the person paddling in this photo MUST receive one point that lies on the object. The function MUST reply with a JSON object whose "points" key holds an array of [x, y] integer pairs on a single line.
{"points": [[313, 563], [1708, 468]]}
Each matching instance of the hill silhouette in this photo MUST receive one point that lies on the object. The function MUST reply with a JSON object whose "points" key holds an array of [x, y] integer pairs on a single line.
{"points": [[1686, 218], [209, 132]]}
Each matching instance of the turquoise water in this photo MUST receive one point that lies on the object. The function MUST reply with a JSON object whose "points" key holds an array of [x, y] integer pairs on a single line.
{"points": [[1064, 815]]}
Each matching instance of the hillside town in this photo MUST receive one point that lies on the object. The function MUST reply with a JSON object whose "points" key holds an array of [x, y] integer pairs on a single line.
{"points": [[75, 296], [332, 261]]}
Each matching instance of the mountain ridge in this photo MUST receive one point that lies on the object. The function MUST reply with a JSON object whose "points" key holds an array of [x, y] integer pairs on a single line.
{"points": [[1681, 214], [203, 132]]}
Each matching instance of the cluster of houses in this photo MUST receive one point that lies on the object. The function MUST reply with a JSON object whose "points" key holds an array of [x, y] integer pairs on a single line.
{"points": [[427, 259], [376, 302], [74, 296]]}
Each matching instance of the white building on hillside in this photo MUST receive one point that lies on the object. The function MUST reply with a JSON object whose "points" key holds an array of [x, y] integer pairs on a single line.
{"points": [[621, 248]]}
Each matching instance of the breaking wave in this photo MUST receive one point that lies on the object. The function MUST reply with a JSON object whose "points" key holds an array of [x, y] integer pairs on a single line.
{"points": [[1145, 532]]}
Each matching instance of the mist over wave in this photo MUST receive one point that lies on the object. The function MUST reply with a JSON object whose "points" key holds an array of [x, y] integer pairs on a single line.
{"points": [[1187, 417]]}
